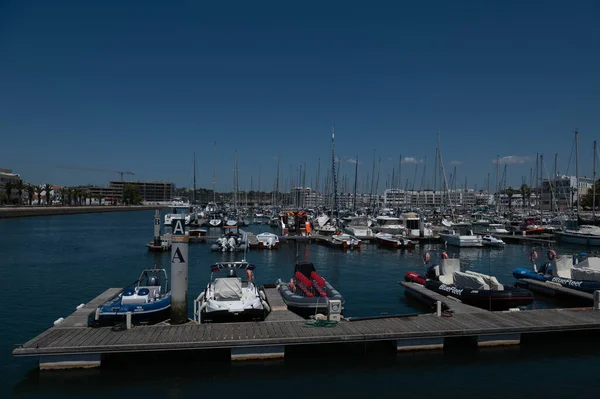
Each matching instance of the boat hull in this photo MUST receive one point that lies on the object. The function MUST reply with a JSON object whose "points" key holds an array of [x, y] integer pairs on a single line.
{"points": [[306, 307], [225, 316], [495, 300], [579, 285], [578, 239], [114, 313], [461, 241]]}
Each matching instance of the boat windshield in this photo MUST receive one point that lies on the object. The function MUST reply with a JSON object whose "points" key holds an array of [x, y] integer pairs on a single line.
{"points": [[180, 209]]}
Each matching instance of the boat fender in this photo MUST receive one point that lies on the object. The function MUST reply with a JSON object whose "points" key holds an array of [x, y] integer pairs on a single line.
{"points": [[204, 305], [551, 255], [533, 255], [426, 257], [265, 305], [444, 255], [80, 306], [262, 295], [58, 321], [201, 296]]}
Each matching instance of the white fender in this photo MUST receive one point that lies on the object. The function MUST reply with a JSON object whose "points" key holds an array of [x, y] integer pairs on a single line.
{"points": [[58, 321], [262, 295], [201, 296], [204, 305], [265, 305]]}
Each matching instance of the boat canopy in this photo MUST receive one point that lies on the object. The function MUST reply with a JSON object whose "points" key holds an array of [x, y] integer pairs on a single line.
{"points": [[228, 289]]}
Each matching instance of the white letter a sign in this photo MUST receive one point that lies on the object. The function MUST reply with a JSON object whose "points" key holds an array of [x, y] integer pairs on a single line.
{"points": [[178, 227]]}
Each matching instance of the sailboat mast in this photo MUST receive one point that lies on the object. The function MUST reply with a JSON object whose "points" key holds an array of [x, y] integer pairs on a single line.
{"points": [[356, 182], [214, 171], [335, 198], [577, 168], [194, 193], [277, 184], [594, 185]]}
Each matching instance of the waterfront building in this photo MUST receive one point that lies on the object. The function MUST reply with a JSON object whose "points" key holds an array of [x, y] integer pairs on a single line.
{"points": [[7, 175], [560, 192]]}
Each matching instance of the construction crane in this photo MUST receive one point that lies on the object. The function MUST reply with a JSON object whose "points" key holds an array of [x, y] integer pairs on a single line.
{"points": [[97, 170]]}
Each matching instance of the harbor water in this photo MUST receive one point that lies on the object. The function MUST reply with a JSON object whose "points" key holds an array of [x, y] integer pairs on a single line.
{"points": [[49, 265]]}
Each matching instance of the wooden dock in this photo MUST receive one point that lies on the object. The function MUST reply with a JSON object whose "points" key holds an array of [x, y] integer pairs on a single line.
{"points": [[429, 297], [556, 290], [279, 310], [75, 346], [546, 240]]}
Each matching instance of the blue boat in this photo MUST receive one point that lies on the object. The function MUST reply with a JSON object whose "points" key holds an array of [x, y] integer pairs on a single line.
{"points": [[148, 299], [564, 270]]}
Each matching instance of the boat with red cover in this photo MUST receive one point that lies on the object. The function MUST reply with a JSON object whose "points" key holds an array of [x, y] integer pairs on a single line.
{"points": [[308, 293]]}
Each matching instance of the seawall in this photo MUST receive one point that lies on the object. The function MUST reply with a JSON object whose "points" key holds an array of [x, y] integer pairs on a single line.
{"points": [[27, 211]]}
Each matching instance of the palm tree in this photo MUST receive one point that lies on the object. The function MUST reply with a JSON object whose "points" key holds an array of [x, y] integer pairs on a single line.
{"points": [[63, 194], [48, 194], [20, 186], [8, 186], [509, 193], [38, 190], [30, 192]]}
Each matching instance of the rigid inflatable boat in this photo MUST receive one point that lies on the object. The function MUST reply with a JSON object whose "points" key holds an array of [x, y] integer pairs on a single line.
{"points": [[471, 288]]}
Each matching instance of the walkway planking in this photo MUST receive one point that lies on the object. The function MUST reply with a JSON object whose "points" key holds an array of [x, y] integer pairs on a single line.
{"points": [[279, 310], [79, 318], [555, 289], [426, 295], [69, 340]]}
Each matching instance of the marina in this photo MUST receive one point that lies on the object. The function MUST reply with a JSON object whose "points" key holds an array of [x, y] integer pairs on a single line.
{"points": [[75, 347]]}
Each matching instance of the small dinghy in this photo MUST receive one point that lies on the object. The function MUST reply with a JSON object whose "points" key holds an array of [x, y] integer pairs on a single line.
{"points": [[564, 270], [229, 297], [347, 240], [148, 299], [492, 241], [472, 288], [267, 240], [390, 241], [308, 293]]}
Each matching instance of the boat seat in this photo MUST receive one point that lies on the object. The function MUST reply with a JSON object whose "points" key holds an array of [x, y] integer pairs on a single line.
{"points": [[129, 292], [319, 289], [492, 281], [304, 289], [320, 280], [446, 279], [561, 266], [449, 266], [143, 291], [585, 273], [590, 263], [305, 280], [462, 279]]}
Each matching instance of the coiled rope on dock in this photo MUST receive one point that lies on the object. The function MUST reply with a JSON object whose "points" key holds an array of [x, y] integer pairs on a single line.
{"points": [[320, 323]]}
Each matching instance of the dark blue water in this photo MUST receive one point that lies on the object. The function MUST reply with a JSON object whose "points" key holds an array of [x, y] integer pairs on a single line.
{"points": [[49, 265]]}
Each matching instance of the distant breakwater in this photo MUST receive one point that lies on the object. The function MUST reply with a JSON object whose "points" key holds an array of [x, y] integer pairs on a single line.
{"points": [[19, 212]]}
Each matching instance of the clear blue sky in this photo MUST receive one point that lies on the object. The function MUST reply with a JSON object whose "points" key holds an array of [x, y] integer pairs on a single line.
{"points": [[143, 85]]}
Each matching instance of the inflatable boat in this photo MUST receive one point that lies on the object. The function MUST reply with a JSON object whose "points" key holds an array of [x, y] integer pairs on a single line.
{"points": [[307, 293], [472, 288], [564, 270]]}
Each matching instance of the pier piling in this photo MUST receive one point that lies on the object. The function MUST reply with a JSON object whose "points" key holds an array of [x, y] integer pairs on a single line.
{"points": [[157, 228], [179, 273]]}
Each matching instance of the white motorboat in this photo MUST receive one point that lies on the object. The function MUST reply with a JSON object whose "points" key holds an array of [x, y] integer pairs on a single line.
{"points": [[359, 226], [347, 240], [178, 209], [586, 235], [389, 224], [229, 297], [455, 238], [489, 240], [267, 240]]}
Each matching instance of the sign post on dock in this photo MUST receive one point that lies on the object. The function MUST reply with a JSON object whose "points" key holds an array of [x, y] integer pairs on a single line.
{"points": [[157, 228], [179, 273]]}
